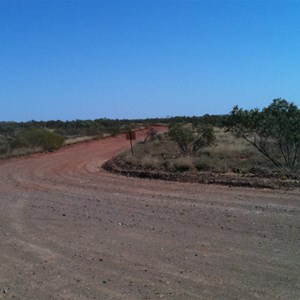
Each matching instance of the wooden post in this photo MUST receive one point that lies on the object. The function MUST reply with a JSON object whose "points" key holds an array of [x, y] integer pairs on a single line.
{"points": [[131, 144], [130, 135]]}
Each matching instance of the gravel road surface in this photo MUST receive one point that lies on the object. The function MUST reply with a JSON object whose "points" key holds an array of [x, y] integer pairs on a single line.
{"points": [[70, 230]]}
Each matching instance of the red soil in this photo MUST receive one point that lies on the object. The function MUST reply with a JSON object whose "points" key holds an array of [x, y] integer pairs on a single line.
{"points": [[70, 230]]}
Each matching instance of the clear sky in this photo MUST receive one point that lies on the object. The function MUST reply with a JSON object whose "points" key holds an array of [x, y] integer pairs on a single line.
{"points": [[136, 59]]}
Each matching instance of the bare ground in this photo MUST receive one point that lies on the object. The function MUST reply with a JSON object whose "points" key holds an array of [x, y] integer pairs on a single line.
{"points": [[70, 230]]}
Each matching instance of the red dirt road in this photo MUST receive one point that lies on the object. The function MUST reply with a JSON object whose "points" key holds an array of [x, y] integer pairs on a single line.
{"points": [[70, 230]]}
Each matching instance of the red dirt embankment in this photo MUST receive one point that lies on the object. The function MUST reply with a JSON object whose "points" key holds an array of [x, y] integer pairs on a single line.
{"points": [[271, 180], [70, 230]]}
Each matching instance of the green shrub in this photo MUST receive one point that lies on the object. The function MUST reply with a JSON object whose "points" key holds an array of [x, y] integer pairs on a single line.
{"points": [[191, 139], [3, 146], [45, 139], [51, 141], [183, 136], [204, 137], [114, 131], [274, 131]]}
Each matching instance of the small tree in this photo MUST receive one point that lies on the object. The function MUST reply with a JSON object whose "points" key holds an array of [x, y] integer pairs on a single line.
{"points": [[192, 139], [151, 135], [183, 136], [204, 137], [273, 131]]}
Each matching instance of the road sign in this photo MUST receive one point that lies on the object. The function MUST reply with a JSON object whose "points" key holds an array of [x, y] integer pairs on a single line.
{"points": [[130, 135]]}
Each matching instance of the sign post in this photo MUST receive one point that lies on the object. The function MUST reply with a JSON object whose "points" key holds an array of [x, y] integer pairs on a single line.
{"points": [[130, 135]]}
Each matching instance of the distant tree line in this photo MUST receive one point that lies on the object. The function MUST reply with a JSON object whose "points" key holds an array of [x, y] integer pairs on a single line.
{"points": [[98, 126], [50, 135], [65, 128], [213, 120]]}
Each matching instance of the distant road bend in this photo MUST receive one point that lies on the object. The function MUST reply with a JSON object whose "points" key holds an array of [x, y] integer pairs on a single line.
{"points": [[70, 230]]}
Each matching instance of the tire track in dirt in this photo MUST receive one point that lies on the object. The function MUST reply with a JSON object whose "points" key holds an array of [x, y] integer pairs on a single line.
{"points": [[70, 230]]}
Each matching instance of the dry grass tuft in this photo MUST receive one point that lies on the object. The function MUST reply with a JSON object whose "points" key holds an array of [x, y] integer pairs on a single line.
{"points": [[184, 164]]}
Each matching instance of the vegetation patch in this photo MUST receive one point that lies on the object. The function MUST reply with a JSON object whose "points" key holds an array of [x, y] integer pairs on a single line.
{"points": [[274, 131], [252, 148], [30, 137]]}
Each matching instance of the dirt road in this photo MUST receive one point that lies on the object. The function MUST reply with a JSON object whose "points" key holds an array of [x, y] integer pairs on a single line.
{"points": [[70, 230]]}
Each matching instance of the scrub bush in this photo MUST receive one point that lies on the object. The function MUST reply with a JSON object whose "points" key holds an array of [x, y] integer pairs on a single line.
{"points": [[31, 138]]}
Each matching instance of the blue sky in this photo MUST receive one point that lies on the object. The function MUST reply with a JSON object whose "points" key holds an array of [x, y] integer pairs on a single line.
{"points": [[136, 59]]}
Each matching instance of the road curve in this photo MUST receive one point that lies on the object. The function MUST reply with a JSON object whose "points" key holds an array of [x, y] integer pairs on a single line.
{"points": [[70, 230]]}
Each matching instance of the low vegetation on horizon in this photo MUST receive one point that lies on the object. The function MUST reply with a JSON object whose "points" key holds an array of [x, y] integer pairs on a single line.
{"points": [[34, 136], [29, 137]]}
